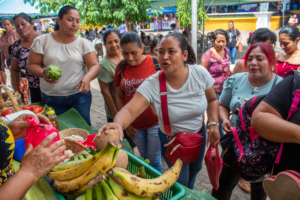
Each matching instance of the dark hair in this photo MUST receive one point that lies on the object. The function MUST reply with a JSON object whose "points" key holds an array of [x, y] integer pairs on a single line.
{"points": [[232, 23], [64, 10], [268, 50], [26, 17], [291, 31], [110, 31], [262, 35], [142, 33], [184, 46], [173, 25], [217, 32], [128, 38], [153, 44]]}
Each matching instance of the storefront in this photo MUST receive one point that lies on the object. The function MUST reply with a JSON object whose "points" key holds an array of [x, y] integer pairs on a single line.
{"points": [[164, 21]]}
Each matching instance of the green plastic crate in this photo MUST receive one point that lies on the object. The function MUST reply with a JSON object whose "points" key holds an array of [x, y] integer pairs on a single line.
{"points": [[174, 193]]}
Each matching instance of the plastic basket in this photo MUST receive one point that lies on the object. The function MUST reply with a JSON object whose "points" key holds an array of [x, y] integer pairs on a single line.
{"points": [[174, 193]]}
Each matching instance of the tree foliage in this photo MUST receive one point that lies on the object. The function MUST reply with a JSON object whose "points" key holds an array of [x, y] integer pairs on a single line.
{"points": [[184, 13], [99, 12]]}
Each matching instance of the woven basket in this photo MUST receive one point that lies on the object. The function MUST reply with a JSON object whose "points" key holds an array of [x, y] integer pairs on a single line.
{"points": [[73, 131], [8, 102], [15, 105], [74, 146]]}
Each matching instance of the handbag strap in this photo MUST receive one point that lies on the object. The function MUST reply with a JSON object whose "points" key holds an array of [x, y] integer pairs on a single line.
{"points": [[164, 102], [235, 34]]}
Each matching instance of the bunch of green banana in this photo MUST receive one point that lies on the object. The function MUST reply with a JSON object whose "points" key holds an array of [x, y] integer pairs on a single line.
{"points": [[81, 156], [148, 187], [74, 181], [72, 164]]}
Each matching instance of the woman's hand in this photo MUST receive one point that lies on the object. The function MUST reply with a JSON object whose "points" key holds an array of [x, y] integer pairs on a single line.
{"points": [[108, 126], [227, 126], [213, 137], [130, 132], [84, 85], [18, 126], [47, 79], [38, 161]]}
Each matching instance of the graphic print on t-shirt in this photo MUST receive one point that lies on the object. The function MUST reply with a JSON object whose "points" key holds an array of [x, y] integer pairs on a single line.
{"points": [[132, 85], [230, 36]]}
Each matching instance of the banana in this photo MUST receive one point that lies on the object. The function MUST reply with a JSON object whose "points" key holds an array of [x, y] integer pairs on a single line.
{"points": [[75, 172], [89, 194], [79, 184], [99, 192], [81, 157], [109, 195], [123, 194], [149, 187], [92, 150], [86, 154], [67, 165], [142, 172]]}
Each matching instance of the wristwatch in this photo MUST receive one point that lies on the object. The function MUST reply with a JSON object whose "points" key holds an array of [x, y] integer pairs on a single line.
{"points": [[213, 124]]}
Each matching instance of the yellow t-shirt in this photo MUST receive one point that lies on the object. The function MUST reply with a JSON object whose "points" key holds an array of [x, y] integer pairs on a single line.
{"points": [[7, 146]]}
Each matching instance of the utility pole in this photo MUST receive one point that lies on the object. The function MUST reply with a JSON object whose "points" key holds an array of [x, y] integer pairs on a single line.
{"points": [[194, 26]]}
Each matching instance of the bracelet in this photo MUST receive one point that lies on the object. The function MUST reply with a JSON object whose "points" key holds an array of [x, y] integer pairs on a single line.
{"points": [[213, 124]]}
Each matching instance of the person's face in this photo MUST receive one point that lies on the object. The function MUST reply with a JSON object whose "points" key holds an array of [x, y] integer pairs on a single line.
{"points": [[295, 16], [23, 27], [172, 27], [287, 44], [155, 51], [7, 25], [230, 25], [113, 44], [220, 42], [70, 22], [257, 64], [170, 56], [132, 53]]}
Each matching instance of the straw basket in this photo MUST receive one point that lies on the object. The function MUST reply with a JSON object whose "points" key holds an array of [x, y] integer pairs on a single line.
{"points": [[14, 105], [72, 145]]}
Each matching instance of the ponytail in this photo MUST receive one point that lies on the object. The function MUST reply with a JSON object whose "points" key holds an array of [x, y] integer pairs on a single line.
{"points": [[121, 67], [191, 60], [56, 27]]}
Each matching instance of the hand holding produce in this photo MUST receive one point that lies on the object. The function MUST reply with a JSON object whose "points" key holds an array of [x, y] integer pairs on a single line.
{"points": [[108, 127], [53, 72], [47, 79], [19, 125], [40, 160]]}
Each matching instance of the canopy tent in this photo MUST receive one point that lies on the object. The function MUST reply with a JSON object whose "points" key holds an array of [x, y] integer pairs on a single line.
{"points": [[8, 8], [165, 11], [173, 3]]}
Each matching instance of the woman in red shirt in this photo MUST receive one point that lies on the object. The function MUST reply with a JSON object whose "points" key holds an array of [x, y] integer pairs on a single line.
{"points": [[289, 37], [130, 74]]}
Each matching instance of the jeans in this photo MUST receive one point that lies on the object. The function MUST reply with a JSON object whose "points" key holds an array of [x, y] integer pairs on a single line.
{"points": [[220, 123], [232, 53], [189, 171], [227, 182], [79, 101], [148, 144]]}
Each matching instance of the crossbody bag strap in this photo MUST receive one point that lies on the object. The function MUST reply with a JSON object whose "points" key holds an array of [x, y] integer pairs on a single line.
{"points": [[156, 65], [164, 102]]}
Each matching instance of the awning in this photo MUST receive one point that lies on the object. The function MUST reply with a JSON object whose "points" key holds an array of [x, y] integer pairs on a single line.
{"points": [[165, 11]]}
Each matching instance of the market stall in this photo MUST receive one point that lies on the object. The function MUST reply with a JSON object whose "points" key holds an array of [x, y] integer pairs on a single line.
{"points": [[72, 119]]}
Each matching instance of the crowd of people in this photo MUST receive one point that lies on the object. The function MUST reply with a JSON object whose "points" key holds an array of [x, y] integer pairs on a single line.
{"points": [[130, 82]]}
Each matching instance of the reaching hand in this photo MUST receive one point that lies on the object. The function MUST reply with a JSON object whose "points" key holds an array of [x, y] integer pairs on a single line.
{"points": [[84, 85], [18, 126], [39, 161], [130, 132], [108, 126]]}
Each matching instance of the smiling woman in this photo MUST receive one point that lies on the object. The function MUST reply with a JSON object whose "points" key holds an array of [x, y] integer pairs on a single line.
{"points": [[77, 59]]}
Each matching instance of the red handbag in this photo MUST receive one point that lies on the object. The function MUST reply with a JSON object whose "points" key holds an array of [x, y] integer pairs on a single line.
{"points": [[185, 146]]}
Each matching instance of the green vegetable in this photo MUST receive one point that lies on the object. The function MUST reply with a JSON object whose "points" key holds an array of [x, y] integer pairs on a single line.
{"points": [[53, 72]]}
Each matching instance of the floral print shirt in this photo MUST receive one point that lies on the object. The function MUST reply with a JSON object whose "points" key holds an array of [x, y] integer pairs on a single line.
{"points": [[21, 54], [217, 67]]}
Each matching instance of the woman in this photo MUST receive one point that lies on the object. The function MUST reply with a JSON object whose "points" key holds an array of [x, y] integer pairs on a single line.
{"points": [[77, 59], [20, 54], [130, 74], [216, 61], [260, 35], [154, 47], [8, 37], [35, 164], [144, 39], [289, 37], [190, 93], [269, 120], [111, 39], [238, 88], [235, 38]]}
